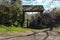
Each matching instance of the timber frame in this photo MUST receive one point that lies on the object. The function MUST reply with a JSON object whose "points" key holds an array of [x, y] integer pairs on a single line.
{"points": [[31, 8]]}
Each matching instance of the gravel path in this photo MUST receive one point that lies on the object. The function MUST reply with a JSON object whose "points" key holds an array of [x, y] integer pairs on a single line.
{"points": [[46, 35]]}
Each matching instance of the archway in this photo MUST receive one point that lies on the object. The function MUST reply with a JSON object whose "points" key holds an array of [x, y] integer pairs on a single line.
{"points": [[31, 8]]}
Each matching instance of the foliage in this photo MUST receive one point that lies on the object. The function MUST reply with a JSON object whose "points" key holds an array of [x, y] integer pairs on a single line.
{"points": [[10, 14], [55, 16], [49, 20]]}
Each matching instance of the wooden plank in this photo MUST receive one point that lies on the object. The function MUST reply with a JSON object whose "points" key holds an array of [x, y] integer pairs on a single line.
{"points": [[33, 8]]}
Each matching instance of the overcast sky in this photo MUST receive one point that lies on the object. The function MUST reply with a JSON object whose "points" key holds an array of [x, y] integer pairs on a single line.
{"points": [[45, 3]]}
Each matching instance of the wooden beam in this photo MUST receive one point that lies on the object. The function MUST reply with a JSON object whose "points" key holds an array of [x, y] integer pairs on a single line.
{"points": [[33, 8]]}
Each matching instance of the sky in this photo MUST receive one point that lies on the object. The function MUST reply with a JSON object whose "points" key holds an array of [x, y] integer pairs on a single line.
{"points": [[46, 3]]}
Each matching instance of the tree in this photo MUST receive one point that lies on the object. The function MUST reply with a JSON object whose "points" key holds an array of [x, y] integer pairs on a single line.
{"points": [[11, 13], [17, 7], [55, 14]]}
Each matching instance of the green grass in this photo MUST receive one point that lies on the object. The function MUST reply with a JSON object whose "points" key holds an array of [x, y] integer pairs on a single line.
{"points": [[18, 29], [13, 29], [57, 28]]}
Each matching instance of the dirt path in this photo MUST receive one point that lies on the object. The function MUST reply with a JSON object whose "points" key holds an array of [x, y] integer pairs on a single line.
{"points": [[45, 35]]}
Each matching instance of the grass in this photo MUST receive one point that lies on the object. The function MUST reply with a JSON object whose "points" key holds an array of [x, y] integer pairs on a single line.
{"points": [[57, 28], [13, 29], [18, 29]]}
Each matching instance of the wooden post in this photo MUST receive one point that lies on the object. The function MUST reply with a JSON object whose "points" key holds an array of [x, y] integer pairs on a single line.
{"points": [[41, 18], [23, 19]]}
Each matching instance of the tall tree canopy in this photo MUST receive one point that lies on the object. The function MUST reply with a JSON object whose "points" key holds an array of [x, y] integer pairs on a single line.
{"points": [[11, 13]]}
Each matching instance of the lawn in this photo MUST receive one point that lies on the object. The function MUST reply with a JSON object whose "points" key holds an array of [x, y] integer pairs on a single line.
{"points": [[18, 29], [13, 29]]}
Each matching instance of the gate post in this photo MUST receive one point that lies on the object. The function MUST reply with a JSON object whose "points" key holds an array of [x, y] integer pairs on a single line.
{"points": [[41, 17], [23, 19]]}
